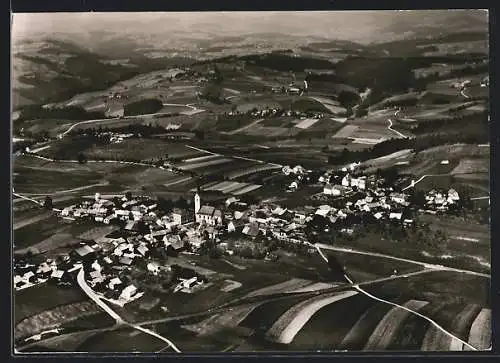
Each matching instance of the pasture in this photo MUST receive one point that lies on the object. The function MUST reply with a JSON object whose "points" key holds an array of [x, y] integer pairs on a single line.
{"points": [[123, 340], [346, 131]]}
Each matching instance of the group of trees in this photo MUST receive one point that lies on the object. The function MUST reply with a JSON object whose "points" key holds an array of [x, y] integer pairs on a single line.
{"points": [[167, 205], [146, 106], [61, 113]]}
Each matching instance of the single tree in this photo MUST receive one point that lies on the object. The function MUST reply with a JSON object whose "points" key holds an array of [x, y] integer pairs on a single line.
{"points": [[48, 203], [82, 159]]}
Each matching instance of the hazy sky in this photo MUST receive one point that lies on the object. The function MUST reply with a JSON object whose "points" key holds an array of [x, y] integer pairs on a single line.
{"points": [[349, 25]]}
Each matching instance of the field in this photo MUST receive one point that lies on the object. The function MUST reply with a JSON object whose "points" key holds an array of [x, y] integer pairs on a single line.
{"points": [[472, 166], [142, 149], [290, 323], [352, 321], [123, 340], [346, 131], [51, 243], [234, 188], [38, 176], [61, 316], [37, 299], [30, 180]]}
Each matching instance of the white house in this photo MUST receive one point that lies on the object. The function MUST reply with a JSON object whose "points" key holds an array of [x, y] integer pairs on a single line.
{"points": [[394, 215], [128, 292], [453, 196], [398, 198], [113, 282], [96, 266], [287, 170], [153, 267], [334, 190], [231, 227], [346, 181]]}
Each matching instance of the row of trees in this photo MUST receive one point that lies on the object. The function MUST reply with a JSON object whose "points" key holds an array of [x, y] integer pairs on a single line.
{"points": [[60, 113]]}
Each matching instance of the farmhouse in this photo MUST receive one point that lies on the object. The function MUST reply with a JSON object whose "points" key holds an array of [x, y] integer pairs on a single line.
{"points": [[334, 190]]}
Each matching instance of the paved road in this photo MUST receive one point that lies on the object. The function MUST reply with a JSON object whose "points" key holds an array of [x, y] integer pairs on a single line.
{"points": [[361, 290], [228, 306], [118, 319], [80, 278]]}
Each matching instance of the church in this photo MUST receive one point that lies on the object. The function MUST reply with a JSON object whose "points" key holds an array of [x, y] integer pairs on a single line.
{"points": [[206, 214]]}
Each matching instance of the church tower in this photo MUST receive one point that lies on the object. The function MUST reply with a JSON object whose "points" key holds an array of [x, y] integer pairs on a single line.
{"points": [[197, 203]]}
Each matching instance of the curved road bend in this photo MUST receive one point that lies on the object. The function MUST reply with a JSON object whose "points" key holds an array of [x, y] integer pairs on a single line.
{"points": [[395, 131], [118, 319], [361, 290]]}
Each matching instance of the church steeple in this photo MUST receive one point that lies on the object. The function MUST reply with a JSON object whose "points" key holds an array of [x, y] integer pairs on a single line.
{"points": [[197, 202]]}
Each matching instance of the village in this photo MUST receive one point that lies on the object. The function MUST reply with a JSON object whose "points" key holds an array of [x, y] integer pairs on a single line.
{"points": [[143, 241]]}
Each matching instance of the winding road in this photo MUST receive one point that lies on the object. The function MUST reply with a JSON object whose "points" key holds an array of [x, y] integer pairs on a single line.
{"points": [[395, 131], [61, 135]]}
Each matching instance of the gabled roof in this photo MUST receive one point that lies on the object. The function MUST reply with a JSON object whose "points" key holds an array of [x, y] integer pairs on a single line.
{"points": [[251, 229], [206, 210], [84, 250]]}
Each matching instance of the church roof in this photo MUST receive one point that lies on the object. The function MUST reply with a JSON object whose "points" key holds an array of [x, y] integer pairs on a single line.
{"points": [[206, 210]]}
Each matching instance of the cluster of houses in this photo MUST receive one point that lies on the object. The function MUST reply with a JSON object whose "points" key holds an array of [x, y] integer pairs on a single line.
{"points": [[28, 274], [116, 138], [270, 112], [440, 201], [144, 233]]}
